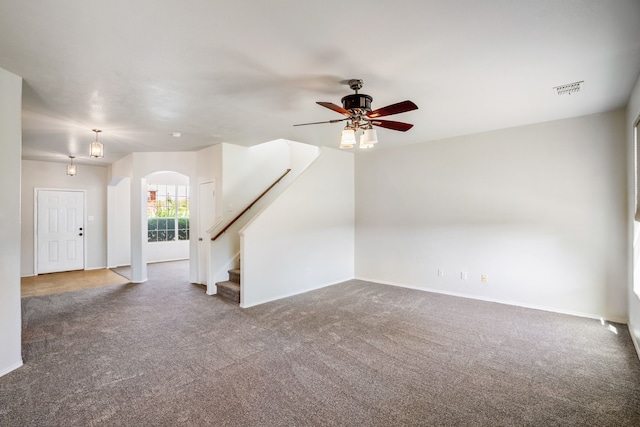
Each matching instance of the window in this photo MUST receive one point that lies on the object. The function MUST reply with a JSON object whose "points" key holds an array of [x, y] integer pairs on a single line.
{"points": [[167, 213]]}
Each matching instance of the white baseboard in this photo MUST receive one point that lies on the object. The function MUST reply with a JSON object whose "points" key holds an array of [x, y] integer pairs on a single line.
{"points": [[499, 301], [167, 260], [287, 295], [11, 368], [634, 341], [95, 268]]}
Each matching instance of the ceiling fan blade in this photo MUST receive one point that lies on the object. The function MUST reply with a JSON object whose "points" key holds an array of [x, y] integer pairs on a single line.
{"points": [[318, 123], [335, 108], [389, 124], [400, 107]]}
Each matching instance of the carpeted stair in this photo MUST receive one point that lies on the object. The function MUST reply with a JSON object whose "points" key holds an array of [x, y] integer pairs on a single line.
{"points": [[230, 290]]}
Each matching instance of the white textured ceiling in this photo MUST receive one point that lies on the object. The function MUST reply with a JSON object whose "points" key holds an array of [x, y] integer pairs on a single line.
{"points": [[244, 72]]}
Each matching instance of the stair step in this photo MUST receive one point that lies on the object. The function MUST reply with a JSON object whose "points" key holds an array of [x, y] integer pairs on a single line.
{"points": [[229, 290], [234, 275]]}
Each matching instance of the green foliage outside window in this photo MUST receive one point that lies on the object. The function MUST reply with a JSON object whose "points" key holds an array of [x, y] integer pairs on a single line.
{"points": [[167, 213]]}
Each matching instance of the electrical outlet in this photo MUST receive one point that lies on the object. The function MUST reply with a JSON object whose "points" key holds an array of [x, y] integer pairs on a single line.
{"points": [[463, 275], [484, 278], [440, 272]]}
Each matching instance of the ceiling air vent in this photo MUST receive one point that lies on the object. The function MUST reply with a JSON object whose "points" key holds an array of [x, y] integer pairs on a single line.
{"points": [[569, 88]]}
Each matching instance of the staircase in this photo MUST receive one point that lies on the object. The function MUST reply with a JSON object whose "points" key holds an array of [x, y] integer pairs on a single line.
{"points": [[230, 290]]}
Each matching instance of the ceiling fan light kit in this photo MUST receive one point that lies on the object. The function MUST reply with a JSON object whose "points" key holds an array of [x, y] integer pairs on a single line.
{"points": [[369, 137], [348, 139], [357, 109]]}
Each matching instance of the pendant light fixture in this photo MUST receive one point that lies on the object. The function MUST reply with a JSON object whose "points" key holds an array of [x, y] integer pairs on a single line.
{"points": [[96, 149], [71, 168]]}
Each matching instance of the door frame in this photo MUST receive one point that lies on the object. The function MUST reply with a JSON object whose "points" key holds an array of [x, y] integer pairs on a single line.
{"points": [[35, 224], [200, 224]]}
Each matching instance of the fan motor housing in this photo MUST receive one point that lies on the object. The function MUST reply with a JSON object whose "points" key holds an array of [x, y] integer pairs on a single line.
{"points": [[357, 101]]}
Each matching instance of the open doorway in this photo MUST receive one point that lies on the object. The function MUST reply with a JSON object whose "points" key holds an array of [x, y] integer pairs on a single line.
{"points": [[168, 212], [166, 205], [168, 217]]}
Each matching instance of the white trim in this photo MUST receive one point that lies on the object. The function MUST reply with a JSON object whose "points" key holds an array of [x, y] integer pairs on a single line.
{"points": [[11, 368], [315, 288], [168, 260], [198, 245], [35, 224], [498, 301], [635, 343], [35, 230], [213, 290], [634, 134]]}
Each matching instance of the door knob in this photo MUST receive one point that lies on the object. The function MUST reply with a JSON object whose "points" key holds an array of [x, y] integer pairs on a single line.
{"points": [[80, 234]]}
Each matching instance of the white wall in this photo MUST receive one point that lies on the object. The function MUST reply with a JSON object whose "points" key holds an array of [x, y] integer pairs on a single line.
{"points": [[633, 112], [539, 209], [121, 168], [302, 155], [168, 251], [93, 179], [303, 240], [11, 145], [119, 223], [209, 168], [168, 178], [247, 171], [119, 212]]}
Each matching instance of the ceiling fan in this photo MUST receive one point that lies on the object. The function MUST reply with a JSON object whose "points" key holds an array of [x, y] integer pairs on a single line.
{"points": [[357, 109]]}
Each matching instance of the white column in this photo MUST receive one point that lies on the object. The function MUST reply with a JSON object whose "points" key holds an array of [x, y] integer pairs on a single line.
{"points": [[138, 230], [10, 170]]}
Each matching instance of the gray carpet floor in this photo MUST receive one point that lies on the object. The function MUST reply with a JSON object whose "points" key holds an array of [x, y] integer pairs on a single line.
{"points": [[353, 354]]}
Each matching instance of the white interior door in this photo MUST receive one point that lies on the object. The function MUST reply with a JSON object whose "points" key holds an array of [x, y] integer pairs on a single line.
{"points": [[206, 217], [60, 230]]}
